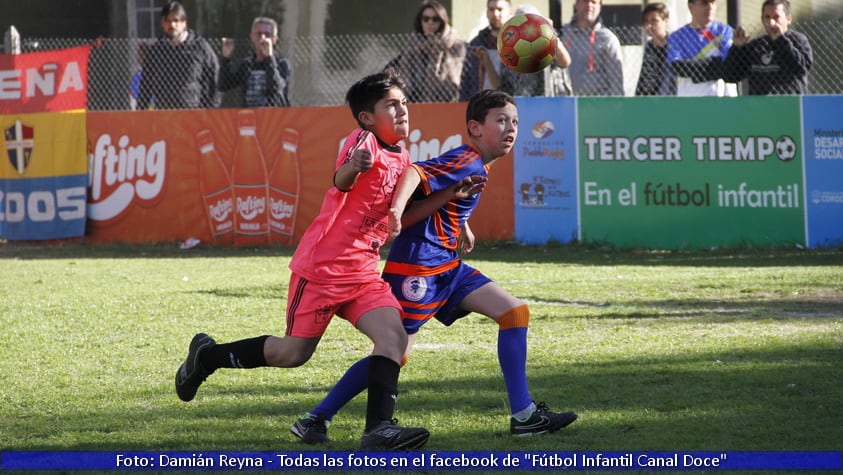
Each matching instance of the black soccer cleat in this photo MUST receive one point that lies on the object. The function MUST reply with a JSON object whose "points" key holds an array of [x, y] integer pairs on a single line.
{"points": [[191, 373], [542, 421], [311, 429], [388, 436]]}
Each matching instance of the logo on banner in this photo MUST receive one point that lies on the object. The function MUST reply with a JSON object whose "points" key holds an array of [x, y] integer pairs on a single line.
{"points": [[543, 129], [121, 173], [785, 148], [20, 140]]}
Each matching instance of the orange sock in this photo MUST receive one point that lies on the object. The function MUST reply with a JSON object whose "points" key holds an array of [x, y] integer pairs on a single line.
{"points": [[515, 318]]}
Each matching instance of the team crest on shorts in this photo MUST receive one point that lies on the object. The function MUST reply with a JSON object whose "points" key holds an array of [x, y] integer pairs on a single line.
{"points": [[324, 313], [414, 288]]}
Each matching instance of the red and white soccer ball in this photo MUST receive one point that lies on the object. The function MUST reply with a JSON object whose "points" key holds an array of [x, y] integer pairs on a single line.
{"points": [[527, 43]]}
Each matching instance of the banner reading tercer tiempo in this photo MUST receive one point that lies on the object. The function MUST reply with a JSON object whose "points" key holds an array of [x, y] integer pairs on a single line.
{"points": [[691, 173]]}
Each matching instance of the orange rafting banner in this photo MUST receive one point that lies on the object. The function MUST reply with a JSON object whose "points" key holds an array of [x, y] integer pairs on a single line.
{"points": [[246, 176]]}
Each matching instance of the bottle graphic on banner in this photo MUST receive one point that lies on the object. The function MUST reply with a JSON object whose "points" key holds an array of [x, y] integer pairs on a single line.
{"points": [[251, 223], [284, 189], [215, 186]]}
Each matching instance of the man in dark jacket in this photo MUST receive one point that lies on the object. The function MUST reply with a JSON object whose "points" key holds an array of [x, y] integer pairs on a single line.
{"points": [[180, 69], [482, 51], [776, 63], [264, 76]]}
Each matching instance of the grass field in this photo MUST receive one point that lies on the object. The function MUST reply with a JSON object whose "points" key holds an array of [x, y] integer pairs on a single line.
{"points": [[714, 350]]}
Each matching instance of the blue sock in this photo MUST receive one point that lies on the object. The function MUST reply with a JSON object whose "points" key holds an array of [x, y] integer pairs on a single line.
{"points": [[512, 356], [352, 383]]}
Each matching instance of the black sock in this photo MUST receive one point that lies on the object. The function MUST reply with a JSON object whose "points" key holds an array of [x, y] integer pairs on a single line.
{"points": [[383, 390], [246, 353]]}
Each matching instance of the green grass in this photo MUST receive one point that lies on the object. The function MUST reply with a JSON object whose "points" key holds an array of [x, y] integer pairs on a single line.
{"points": [[674, 351]]}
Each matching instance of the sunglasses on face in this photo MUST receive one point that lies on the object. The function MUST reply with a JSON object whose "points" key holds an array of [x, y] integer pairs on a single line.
{"points": [[429, 19]]}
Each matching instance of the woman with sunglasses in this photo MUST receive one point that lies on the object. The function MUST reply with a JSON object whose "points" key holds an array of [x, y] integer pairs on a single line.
{"points": [[431, 63]]}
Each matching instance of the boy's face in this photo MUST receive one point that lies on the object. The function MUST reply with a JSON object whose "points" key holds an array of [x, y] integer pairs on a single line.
{"points": [[498, 132], [390, 120], [655, 25]]}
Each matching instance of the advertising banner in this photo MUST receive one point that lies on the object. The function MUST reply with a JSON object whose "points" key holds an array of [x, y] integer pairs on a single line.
{"points": [[43, 176], [546, 170], [54, 80], [691, 172], [824, 169], [245, 177]]}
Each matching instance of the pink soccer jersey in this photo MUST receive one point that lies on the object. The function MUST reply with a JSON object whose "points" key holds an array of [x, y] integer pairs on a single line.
{"points": [[342, 244]]}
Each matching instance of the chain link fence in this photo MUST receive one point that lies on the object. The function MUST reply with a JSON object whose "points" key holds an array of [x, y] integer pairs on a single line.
{"points": [[324, 67]]}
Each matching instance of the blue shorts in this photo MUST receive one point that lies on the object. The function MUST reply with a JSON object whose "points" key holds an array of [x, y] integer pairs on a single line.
{"points": [[437, 296]]}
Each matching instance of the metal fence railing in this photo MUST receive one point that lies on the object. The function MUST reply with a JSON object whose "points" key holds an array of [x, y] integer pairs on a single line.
{"points": [[324, 67]]}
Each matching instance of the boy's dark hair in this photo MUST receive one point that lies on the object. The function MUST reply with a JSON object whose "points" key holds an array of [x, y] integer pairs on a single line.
{"points": [[657, 7], [362, 96], [173, 7], [480, 104]]}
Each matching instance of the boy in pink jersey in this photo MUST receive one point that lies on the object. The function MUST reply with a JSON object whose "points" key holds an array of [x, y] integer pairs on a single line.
{"points": [[335, 270]]}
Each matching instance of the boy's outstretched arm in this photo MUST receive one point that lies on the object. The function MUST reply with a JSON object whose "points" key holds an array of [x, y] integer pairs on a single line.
{"points": [[407, 184]]}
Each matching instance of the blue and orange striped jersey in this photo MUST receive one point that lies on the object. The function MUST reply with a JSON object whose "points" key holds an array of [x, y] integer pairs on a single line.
{"points": [[430, 246]]}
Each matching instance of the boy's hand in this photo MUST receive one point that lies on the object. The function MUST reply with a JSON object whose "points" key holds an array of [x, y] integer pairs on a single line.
{"points": [[466, 240], [469, 186], [394, 223], [362, 160]]}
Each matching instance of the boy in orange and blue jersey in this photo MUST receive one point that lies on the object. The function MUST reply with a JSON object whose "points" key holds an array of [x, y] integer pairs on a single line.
{"points": [[430, 280]]}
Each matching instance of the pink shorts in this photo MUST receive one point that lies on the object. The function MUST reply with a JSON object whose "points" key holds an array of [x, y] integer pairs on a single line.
{"points": [[310, 306]]}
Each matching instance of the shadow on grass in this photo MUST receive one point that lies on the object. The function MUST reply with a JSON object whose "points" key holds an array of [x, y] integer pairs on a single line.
{"points": [[500, 251], [783, 398], [702, 309], [82, 250], [597, 255]]}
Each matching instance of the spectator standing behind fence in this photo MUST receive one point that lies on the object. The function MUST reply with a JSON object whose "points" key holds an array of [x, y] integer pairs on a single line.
{"points": [[596, 65], [431, 63], [134, 82], [264, 76], [775, 63], [696, 52], [180, 69], [482, 55], [655, 78], [549, 82]]}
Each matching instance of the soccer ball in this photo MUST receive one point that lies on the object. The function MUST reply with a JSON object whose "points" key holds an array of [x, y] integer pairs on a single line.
{"points": [[785, 148], [527, 43]]}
